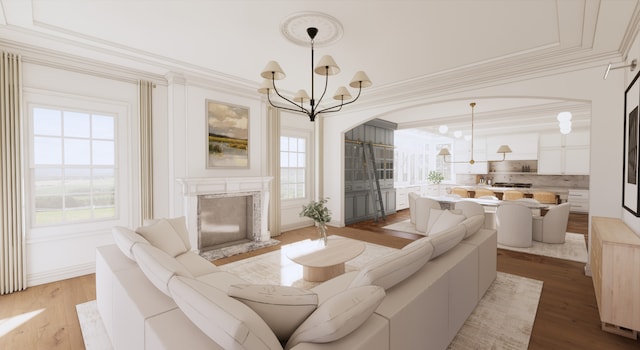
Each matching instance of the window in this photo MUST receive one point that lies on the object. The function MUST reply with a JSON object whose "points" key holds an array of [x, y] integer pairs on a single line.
{"points": [[293, 160], [73, 164]]}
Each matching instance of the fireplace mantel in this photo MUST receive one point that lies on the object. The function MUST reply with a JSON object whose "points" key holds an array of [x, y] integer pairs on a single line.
{"points": [[204, 185], [194, 187]]}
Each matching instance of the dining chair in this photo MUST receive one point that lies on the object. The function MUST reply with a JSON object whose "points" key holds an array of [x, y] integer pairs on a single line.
{"points": [[552, 227], [514, 224]]}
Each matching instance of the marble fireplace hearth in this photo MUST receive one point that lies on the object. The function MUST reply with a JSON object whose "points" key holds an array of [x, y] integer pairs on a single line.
{"points": [[227, 216]]}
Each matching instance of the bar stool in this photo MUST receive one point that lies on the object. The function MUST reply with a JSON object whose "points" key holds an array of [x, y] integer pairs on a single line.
{"points": [[510, 195], [545, 197], [463, 193], [484, 192]]}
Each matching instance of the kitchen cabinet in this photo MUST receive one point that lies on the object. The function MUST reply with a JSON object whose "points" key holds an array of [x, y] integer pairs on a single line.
{"points": [[615, 266], [402, 196], [523, 146], [462, 152], [579, 200], [564, 154], [358, 203]]}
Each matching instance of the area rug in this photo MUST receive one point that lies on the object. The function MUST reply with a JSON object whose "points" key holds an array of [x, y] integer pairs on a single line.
{"points": [[275, 268], [503, 318], [574, 248]]}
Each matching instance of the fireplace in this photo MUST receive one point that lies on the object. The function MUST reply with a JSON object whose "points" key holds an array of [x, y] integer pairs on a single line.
{"points": [[227, 212]]}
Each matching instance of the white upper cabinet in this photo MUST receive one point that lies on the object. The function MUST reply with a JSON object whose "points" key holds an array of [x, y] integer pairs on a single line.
{"points": [[523, 146], [564, 154], [462, 153]]}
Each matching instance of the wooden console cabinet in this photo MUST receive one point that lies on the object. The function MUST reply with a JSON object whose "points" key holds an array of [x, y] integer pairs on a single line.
{"points": [[615, 266]]}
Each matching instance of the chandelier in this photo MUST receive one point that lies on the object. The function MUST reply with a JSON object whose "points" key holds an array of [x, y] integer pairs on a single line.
{"points": [[504, 149], [301, 102]]}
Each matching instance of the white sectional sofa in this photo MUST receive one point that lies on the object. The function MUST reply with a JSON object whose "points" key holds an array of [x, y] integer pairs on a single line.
{"points": [[152, 295]]}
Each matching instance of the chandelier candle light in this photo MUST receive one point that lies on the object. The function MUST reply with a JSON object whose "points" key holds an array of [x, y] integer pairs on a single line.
{"points": [[504, 149], [326, 67]]}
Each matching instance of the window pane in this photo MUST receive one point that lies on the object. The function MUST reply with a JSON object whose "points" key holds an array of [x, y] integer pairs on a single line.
{"points": [[77, 152], [48, 217], [77, 215], [284, 143], [77, 181], [284, 159], [301, 161], [77, 201], [47, 122], [76, 124], [48, 181], [103, 153], [47, 150], [293, 144], [293, 160], [102, 127], [301, 145]]}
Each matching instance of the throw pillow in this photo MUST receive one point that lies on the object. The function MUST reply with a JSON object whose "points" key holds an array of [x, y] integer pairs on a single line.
{"points": [[179, 224], [444, 220], [228, 322], [162, 235], [395, 267], [338, 316], [282, 308]]}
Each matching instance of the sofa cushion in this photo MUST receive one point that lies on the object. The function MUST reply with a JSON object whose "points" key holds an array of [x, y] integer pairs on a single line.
{"points": [[163, 235], [473, 224], [273, 302], [125, 240], [179, 224], [441, 220], [158, 266], [197, 265], [338, 316], [394, 267], [227, 321], [446, 240]]}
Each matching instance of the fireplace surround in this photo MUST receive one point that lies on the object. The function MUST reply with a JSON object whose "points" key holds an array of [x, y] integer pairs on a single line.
{"points": [[250, 194]]}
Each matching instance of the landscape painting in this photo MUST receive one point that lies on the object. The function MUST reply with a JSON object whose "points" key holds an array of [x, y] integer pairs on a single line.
{"points": [[227, 135]]}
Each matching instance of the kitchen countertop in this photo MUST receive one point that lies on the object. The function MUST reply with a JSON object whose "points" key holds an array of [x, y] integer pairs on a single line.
{"points": [[556, 190]]}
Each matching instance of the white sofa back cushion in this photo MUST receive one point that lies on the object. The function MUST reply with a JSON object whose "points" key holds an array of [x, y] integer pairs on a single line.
{"points": [[158, 266], [446, 240], [228, 322], [125, 240], [442, 220], [338, 316], [473, 224], [282, 308], [179, 224], [164, 236], [394, 267]]}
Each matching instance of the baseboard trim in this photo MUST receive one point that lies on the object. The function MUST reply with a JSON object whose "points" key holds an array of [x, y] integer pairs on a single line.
{"points": [[60, 274]]}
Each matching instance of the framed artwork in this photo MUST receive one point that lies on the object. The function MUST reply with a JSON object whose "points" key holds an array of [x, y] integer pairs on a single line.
{"points": [[631, 155], [227, 135]]}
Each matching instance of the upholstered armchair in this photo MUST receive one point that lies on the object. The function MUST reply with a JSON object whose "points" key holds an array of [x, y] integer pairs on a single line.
{"points": [[412, 206], [514, 224], [423, 207], [469, 208], [552, 227]]}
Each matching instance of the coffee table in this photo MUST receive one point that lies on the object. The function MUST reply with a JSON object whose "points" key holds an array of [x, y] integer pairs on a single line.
{"points": [[321, 263]]}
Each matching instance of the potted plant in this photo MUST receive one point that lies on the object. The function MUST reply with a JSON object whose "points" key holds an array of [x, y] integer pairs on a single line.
{"points": [[435, 177], [319, 214]]}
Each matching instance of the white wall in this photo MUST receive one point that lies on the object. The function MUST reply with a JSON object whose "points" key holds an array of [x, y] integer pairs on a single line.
{"points": [[634, 53]]}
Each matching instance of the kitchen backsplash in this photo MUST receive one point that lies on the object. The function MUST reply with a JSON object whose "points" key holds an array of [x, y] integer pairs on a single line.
{"points": [[569, 181]]}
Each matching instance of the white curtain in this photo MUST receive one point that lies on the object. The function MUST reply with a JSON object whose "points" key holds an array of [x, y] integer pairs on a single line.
{"points": [[146, 149], [13, 276], [273, 168]]}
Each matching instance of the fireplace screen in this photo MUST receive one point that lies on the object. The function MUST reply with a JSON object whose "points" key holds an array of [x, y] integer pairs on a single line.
{"points": [[224, 220]]}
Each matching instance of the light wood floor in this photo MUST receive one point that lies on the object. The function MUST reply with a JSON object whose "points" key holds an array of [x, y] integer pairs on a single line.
{"points": [[44, 317]]}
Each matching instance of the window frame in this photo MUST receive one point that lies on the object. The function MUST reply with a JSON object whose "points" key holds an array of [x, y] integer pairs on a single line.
{"points": [[124, 158], [307, 177]]}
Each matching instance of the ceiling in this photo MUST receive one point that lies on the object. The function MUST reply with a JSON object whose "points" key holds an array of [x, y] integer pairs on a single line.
{"points": [[430, 44]]}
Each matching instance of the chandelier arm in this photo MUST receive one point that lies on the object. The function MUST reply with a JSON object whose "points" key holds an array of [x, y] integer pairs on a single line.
{"points": [[342, 103], [302, 109], [299, 110], [326, 83]]}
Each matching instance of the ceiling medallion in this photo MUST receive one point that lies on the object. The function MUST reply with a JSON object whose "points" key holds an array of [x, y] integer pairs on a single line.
{"points": [[294, 28]]}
